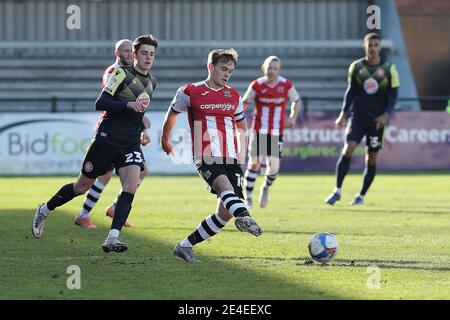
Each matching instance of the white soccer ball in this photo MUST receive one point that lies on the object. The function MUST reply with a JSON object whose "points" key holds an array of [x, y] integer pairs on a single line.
{"points": [[323, 247]]}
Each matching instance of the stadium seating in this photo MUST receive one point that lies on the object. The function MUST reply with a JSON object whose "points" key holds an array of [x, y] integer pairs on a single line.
{"points": [[73, 82]]}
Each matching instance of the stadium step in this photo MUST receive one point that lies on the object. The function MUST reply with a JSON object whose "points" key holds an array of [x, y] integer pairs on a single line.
{"points": [[76, 81], [170, 74], [74, 84], [168, 62]]}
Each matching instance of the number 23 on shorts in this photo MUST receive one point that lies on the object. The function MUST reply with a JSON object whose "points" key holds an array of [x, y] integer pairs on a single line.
{"points": [[135, 157]]}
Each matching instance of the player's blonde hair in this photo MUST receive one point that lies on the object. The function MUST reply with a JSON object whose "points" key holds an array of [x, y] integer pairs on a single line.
{"points": [[268, 61]]}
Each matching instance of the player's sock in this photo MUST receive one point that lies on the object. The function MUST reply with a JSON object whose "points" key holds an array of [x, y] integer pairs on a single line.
{"points": [[64, 195], [123, 208], [209, 227], [45, 210], [113, 205], [369, 175], [342, 167], [337, 190], [91, 198], [233, 204], [113, 233], [250, 179], [269, 180]]}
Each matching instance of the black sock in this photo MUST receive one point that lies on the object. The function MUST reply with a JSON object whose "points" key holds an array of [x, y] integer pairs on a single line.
{"points": [[269, 180], [209, 227], [250, 179], [233, 204], [122, 210], [64, 195], [369, 175], [92, 196], [342, 167]]}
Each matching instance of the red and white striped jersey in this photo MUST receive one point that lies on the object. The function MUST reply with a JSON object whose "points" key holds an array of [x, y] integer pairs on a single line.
{"points": [[212, 115], [270, 103]]}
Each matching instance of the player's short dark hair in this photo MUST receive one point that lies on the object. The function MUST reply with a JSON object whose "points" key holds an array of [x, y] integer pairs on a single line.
{"points": [[149, 39], [223, 55], [371, 36]]}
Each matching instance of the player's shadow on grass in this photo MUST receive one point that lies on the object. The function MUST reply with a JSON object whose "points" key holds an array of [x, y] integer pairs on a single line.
{"points": [[266, 231], [389, 264], [382, 264], [37, 268], [368, 209]]}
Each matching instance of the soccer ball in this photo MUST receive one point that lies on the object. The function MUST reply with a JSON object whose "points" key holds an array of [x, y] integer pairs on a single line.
{"points": [[323, 247]]}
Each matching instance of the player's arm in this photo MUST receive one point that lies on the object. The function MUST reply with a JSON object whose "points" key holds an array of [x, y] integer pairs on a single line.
{"points": [[169, 122], [241, 136], [349, 96], [382, 120], [106, 76], [145, 137], [107, 100], [296, 103], [241, 130], [146, 124], [249, 96], [393, 92], [392, 95], [392, 100], [179, 103]]}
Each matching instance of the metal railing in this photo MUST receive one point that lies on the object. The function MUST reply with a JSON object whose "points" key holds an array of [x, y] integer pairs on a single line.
{"points": [[309, 103], [187, 48], [427, 103]]}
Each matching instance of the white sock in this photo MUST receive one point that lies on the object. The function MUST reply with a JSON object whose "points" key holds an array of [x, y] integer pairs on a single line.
{"points": [[220, 219], [361, 196], [113, 233], [113, 205], [83, 213], [185, 243], [99, 185], [44, 210], [337, 190]]}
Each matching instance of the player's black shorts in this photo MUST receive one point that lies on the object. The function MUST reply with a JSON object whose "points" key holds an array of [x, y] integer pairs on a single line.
{"points": [[356, 130], [111, 167], [100, 156], [209, 172], [264, 145]]}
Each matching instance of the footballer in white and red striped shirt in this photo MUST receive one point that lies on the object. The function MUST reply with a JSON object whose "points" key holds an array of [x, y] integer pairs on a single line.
{"points": [[270, 93], [213, 114], [270, 100], [217, 122]]}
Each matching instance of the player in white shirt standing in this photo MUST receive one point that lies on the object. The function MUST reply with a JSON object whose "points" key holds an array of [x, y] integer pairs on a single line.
{"points": [[217, 122], [270, 94]]}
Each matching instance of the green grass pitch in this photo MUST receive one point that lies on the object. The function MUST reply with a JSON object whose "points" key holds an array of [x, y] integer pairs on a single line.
{"points": [[403, 229]]}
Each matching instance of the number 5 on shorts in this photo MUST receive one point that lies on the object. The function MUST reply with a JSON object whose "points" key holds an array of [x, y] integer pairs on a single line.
{"points": [[374, 142]]}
